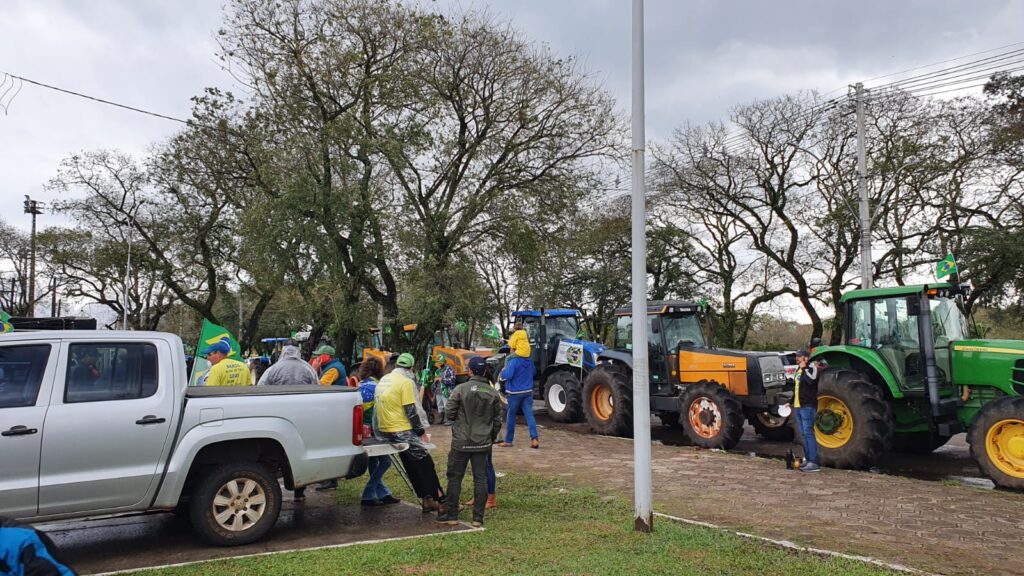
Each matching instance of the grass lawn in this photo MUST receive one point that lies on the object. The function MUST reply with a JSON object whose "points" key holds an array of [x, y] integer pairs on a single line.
{"points": [[541, 527]]}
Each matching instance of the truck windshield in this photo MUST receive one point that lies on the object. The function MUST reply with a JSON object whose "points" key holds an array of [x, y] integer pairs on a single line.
{"points": [[948, 322], [683, 330]]}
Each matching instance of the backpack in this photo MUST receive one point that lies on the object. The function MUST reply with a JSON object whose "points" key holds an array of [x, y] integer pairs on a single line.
{"points": [[25, 551]]}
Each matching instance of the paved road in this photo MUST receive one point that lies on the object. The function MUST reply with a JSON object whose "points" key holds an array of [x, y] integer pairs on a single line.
{"points": [[929, 525], [141, 541]]}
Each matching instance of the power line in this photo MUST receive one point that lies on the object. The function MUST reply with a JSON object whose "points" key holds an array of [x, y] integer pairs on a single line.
{"points": [[942, 62]]}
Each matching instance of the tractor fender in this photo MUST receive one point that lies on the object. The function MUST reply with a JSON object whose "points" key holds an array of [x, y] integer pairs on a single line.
{"points": [[563, 368], [616, 356], [841, 357]]}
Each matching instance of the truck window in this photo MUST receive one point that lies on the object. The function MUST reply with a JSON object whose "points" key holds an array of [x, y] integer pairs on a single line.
{"points": [[102, 372], [21, 372]]}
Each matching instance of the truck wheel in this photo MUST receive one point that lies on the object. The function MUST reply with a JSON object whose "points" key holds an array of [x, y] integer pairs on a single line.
{"points": [[563, 397], [917, 442], [854, 424], [608, 401], [771, 427], [997, 442], [235, 503], [712, 417]]}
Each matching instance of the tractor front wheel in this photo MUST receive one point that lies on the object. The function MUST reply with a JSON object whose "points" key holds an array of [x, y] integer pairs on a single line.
{"points": [[997, 442], [712, 416], [608, 400], [563, 397], [854, 424], [771, 427]]}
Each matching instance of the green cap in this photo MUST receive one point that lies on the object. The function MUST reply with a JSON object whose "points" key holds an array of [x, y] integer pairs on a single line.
{"points": [[325, 349], [406, 360]]}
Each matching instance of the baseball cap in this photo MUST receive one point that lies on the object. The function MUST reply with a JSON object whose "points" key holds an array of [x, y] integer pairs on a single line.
{"points": [[325, 349], [477, 365], [803, 353], [221, 346], [406, 360]]}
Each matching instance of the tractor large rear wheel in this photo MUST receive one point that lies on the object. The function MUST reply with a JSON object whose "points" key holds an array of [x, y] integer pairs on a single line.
{"points": [[712, 416], [854, 424], [563, 396], [997, 442], [770, 427], [608, 400]]}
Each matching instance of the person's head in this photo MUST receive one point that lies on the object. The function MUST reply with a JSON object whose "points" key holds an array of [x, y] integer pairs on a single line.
{"points": [[477, 366], [405, 360], [370, 368], [325, 350], [89, 356], [518, 325], [802, 355], [290, 351], [217, 351]]}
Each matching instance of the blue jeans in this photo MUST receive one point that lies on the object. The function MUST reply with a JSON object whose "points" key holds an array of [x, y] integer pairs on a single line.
{"points": [[516, 403], [805, 419], [375, 488], [492, 478]]}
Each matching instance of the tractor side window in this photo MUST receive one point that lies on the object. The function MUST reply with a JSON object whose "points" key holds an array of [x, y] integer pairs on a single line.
{"points": [[532, 327], [860, 324], [624, 333], [896, 332], [562, 327]]}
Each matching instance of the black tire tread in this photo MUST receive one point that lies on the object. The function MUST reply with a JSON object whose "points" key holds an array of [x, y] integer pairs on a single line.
{"points": [[784, 433], [199, 506], [1001, 409], [728, 405], [620, 379], [573, 396], [873, 422]]}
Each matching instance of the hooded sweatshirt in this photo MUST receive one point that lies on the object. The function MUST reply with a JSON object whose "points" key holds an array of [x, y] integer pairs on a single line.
{"points": [[289, 369]]}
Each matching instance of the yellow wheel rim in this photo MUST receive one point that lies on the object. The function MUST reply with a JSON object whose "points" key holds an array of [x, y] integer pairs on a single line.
{"points": [[601, 402], [842, 434], [1004, 443]]}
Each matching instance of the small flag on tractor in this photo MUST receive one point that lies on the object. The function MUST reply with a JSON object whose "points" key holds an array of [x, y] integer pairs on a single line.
{"points": [[946, 266], [492, 332], [703, 303], [5, 323], [461, 326]]}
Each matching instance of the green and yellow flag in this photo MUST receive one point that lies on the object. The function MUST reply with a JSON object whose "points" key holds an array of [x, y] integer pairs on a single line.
{"points": [[5, 323], [211, 334], [946, 266], [492, 332]]}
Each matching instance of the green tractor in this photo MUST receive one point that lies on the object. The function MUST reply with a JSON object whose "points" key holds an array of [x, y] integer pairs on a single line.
{"points": [[908, 377]]}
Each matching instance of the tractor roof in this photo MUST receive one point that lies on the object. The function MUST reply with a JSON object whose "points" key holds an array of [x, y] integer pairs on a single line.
{"points": [[661, 307], [893, 291], [548, 312]]}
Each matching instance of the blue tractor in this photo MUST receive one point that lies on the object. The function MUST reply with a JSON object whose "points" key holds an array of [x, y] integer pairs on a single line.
{"points": [[562, 360]]}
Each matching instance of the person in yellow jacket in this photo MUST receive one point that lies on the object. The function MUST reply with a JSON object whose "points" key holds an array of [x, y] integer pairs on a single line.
{"points": [[223, 370], [519, 342]]}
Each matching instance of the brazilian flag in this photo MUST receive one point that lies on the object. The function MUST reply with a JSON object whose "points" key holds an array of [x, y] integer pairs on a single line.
{"points": [[492, 332], [211, 334], [5, 323], [945, 267]]}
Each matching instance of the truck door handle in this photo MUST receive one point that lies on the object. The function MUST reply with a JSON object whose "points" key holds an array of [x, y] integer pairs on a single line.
{"points": [[18, 431], [150, 419]]}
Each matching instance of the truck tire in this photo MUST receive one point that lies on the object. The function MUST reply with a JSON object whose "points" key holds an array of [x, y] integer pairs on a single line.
{"points": [[771, 427], [997, 441], [563, 396], [712, 416], [235, 503], [854, 423], [608, 400], [917, 442]]}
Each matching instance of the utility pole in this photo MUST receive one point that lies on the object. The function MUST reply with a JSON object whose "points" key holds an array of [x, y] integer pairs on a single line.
{"points": [[34, 208], [128, 267], [644, 515], [53, 296], [862, 188]]}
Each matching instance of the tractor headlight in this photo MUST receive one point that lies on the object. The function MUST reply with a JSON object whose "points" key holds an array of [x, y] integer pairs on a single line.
{"points": [[774, 377]]}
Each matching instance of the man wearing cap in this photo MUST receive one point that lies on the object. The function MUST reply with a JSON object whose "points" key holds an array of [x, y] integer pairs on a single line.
{"points": [[398, 422], [224, 371], [332, 371], [475, 409], [805, 403]]}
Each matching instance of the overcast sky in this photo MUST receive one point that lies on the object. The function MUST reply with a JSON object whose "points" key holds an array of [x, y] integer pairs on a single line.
{"points": [[703, 57]]}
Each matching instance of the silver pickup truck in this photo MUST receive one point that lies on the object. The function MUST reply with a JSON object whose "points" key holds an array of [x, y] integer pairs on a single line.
{"points": [[100, 423]]}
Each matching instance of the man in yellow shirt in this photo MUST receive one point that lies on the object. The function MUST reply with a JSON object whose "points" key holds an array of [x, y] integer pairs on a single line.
{"points": [[223, 370]]}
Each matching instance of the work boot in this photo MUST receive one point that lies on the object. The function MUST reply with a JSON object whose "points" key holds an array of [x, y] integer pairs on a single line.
{"points": [[389, 499], [447, 519], [477, 524], [430, 505], [492, 501], [535, 443], [504, 444]]}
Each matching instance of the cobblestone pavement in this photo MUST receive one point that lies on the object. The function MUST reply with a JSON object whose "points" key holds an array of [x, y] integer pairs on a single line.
{"points": [[932, 526]]}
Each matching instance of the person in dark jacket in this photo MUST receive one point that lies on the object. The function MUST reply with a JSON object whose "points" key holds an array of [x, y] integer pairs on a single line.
{"points": [[475, 410], [518, 376], [805, 405]]}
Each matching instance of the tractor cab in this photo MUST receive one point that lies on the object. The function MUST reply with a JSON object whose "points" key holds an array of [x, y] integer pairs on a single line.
{"points": [[546, 330], [672, 328]]}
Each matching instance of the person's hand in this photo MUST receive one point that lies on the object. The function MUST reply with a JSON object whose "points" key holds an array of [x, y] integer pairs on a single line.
{"points": [[425, 437]]}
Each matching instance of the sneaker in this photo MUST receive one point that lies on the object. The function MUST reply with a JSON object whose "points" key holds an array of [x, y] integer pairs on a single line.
{"points": [[447, 519], [504, 444], [810, 467], [389, 499], [477, 524], [535, 443], [328, 485], [372, 503]]}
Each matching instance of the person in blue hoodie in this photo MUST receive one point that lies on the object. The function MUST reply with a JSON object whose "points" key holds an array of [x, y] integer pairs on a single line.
{"points": [[518, 376]]}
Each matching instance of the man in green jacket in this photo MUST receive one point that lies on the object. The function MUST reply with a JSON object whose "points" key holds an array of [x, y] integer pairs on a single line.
{"points": [[475, 408]]}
